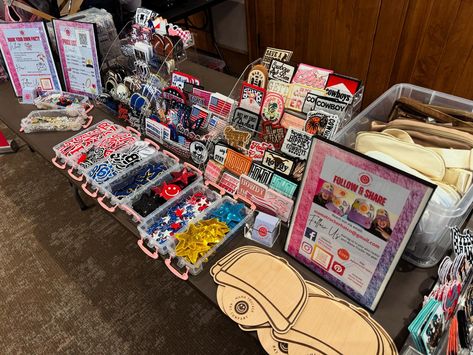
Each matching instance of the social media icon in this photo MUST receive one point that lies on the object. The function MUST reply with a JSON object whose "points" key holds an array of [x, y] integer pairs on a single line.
{"points": [[338, 268]]}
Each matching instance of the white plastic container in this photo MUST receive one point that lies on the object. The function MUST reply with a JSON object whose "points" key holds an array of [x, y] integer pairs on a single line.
{"points": [[431, 238]]}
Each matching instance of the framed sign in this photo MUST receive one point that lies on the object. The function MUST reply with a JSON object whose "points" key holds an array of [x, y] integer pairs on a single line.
{"points": [[354, 218], [27, 54], [77, 49]]}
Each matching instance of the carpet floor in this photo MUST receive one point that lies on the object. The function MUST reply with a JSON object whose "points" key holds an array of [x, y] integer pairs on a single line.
{"points": [[74, 282]]}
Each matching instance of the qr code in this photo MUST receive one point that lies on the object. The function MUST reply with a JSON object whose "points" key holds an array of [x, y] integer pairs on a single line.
{"points": [[83, 38]]}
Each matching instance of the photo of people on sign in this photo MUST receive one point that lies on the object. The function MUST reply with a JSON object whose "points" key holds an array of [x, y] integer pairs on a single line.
{"points": [[356, 208]]}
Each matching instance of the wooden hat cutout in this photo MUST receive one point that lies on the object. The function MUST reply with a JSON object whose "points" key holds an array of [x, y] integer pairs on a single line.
{"points": [[219, 297], [331, 326], [277, 288], [268, 342], [312, 288], [242, 308], [270, 345], [218, 265]]}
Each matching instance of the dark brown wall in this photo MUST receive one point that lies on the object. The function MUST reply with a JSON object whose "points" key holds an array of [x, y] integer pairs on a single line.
{"points": [[383, 42]]}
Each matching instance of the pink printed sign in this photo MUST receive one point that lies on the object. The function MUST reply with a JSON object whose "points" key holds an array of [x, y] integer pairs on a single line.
{"points": [[353, 218], [27, 54], [78, 54]]}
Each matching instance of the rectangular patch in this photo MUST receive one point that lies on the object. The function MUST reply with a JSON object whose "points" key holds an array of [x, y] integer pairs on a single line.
{"points": [[220, 153], [297, 143], [260, 174], [279, 87], [229, 182], [283, 186], [213, 171], [277, 162], [237, 163], [257, 149], [251, 97], [296, 97], [249, 188], [274, 53], [281, 71], [311, 76], [244, 119], [289, 120]]}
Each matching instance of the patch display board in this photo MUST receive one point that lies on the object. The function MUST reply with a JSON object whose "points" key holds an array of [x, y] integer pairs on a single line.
{"points": [[28, 57], [353, 219], [78, 54]]}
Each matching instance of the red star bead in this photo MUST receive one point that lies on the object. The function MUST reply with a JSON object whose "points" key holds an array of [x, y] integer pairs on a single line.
{"points": [[183, 176]]}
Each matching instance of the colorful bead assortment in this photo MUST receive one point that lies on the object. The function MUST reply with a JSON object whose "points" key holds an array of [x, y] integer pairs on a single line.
{"points": [[120, 161], [177, 217], [199, 238], [144, 175], [158, 195]]}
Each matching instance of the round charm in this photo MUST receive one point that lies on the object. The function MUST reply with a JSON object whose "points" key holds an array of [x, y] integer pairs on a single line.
{"points": [[199, 152], [170, 191], [122, 93], [273, 107]]}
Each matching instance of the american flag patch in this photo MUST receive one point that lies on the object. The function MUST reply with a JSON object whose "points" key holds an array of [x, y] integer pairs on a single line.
{"points": [[221, 105], [198, 118]]}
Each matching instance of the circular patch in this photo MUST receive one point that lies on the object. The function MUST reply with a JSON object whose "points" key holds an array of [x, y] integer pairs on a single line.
{"points": [[312, 123], [199, 152], [273, 107]]}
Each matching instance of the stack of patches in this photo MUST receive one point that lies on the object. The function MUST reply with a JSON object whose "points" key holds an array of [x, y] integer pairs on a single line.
{"points": [[263, 293]]}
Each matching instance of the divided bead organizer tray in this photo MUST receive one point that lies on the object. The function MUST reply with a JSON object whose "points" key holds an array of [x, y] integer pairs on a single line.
{"points": [[81, 162], [124, 186], [156, 229], [158, 192], [79, 143], [226, 216], [192, 228], [116, 163]]}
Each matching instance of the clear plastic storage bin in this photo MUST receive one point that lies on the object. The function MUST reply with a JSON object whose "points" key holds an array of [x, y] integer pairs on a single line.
{"points": [[165, 178], [52, 100], [431, 238], [70, 119], [101, 150], [110, 168], [81, 141], [197, 267], [108, 189], [160, 242]]}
